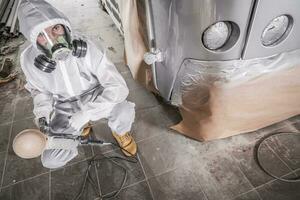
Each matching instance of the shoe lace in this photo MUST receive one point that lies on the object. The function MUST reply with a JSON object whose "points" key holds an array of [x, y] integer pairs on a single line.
{"points": [[125, 138]]}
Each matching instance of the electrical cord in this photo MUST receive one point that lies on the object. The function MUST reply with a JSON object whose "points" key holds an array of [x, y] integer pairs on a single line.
{"points": [[258, 160], [95, 160]]}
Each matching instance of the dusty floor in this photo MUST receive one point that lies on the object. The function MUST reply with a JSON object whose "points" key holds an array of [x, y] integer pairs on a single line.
{"points": [[170, 165]]}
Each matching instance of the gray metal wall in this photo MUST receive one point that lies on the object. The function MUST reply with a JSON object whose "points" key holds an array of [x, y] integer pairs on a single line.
{"points": [[179, 26]]}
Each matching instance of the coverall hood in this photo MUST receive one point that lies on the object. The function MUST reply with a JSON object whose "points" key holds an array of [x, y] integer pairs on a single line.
{"points": [[36, 15]]}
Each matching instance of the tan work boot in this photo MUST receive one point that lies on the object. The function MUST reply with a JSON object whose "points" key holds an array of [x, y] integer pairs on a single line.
{"points": [[127, 142], [87, 130]]}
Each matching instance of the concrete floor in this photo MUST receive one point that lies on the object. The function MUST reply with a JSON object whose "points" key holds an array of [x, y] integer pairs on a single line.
{"points": [[170, 165]]}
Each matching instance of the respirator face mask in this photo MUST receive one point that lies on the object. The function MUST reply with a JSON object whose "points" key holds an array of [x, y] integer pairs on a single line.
{"points": [[56, 45], [55, 42]]}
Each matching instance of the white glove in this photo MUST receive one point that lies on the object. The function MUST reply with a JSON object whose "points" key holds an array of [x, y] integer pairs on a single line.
{"points": [[79, 119]]}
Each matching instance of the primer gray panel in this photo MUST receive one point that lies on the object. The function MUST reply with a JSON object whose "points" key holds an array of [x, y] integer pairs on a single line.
{"points": [[178, 29], [265, 11]]}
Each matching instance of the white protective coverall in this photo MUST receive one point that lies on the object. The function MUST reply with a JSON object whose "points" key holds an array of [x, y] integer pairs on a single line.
{"points": [[71, 78]]}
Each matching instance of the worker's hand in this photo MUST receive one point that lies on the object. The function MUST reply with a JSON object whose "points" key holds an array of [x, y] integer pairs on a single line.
{"points": [[46, 119], [78, 120], [43, 124]]}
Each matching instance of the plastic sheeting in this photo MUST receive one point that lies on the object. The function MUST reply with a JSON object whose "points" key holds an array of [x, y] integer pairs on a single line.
{"points": [[221, 99]]}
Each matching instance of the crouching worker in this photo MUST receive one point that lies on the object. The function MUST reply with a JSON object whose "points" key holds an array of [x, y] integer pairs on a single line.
{"points": [[71, 81]]}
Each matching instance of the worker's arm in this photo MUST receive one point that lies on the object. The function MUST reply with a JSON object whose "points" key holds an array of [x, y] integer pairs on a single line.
{"points": [[42, 102]]}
